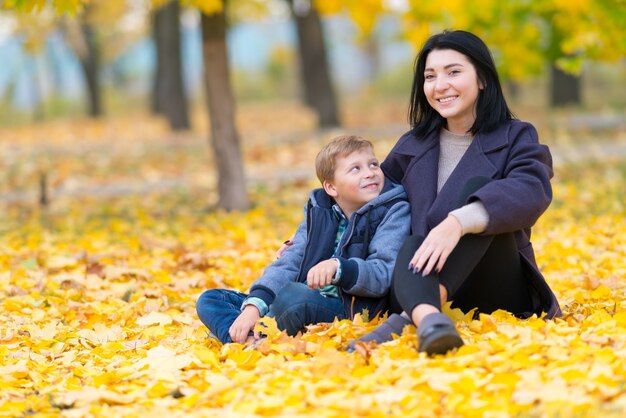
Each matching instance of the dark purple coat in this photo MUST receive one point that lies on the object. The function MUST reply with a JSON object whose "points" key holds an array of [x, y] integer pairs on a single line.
{"points": [[521, 168]]}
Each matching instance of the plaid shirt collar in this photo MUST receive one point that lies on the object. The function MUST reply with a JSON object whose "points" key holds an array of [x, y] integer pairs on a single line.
{"points": [[339, 214]]}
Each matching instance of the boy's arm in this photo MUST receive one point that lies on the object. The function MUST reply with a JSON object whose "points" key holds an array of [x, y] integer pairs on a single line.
{"points": [[282, 271], [372, 277]]}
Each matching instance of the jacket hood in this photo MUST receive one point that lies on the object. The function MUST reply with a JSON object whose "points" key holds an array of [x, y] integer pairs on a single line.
{"points": [[318, 197]]}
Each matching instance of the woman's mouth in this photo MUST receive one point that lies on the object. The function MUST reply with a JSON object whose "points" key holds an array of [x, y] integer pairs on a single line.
{"points": [[447, 99]]}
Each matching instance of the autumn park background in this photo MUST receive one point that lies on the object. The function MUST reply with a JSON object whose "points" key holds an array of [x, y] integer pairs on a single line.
{"points": [[151, 150]]}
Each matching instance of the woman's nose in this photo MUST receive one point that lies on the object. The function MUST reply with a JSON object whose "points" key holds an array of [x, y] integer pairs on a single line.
{"points": [[441, 84]]}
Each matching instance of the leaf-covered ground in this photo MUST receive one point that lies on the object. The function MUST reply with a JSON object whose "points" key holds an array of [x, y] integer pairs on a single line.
{"points": [[97, 299]]}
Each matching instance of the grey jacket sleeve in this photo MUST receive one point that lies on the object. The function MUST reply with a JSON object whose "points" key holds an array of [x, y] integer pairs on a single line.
{"points": [[282, 271], [372, 277]]}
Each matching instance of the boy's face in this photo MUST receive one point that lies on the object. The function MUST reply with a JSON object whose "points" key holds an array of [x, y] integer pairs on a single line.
{"points": [[357, 180]]}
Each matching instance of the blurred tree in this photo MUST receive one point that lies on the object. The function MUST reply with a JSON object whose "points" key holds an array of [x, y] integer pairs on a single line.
{"points": [[221, 103], [168, 95], [564, 87], [94, 30], [85, 43], [316, 84], [30, 30], [524, 35]]}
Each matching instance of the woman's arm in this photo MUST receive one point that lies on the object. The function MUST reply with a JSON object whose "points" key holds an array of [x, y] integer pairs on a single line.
{"points": [[517, 200]]}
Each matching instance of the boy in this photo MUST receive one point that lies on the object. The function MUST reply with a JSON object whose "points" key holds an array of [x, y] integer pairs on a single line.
{"points": [[342, 256]]}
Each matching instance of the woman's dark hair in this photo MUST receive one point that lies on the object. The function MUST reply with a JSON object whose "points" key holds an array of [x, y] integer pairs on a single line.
{"points": [[491, 107]]}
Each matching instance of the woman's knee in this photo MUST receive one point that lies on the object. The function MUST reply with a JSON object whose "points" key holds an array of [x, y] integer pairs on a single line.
{"points": [[406, 252]]}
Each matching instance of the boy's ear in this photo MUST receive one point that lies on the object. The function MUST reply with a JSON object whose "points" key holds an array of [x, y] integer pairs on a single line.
{"points": [[329, 189]]}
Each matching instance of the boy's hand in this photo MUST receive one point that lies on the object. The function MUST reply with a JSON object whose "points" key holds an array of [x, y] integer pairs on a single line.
{"points": [[321, 274], [244, 323]]}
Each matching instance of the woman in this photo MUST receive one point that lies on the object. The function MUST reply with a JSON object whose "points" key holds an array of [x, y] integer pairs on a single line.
{"points": [[477, 180]]}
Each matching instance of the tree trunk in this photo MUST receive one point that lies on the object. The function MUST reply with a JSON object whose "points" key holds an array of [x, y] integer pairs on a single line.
{"points": [[37, 95], [169, 98], [513, 90], [315, 76], [564, 89], [224, 137], [90, 63]]}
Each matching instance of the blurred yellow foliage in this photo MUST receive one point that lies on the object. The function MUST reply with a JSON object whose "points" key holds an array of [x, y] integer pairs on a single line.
{"points": [[98, 294], [206, 6], [526, 34], [364, 13]]}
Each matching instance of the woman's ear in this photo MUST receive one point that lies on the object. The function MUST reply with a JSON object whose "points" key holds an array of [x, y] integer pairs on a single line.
{"points": [[329, 189]]}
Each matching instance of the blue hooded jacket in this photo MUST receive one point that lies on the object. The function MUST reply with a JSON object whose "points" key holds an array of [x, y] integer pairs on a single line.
{"points": [[367, 251]]}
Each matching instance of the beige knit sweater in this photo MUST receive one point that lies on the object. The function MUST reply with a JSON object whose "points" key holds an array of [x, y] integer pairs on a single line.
{"points": [[472, 217]]}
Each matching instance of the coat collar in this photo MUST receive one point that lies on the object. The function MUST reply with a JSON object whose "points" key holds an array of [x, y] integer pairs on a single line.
{"points": [[487, 142], [424, 166]]}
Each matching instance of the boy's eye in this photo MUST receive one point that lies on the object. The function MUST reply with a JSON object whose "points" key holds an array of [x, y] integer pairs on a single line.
{"points": [[374, 164], [355, 168]]}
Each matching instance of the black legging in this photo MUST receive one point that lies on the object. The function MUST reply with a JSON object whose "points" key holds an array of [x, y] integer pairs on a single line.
{"points": [[483, 271]]}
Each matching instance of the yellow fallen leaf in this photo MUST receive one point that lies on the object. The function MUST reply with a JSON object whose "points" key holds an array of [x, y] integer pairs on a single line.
{"points": [[154, 318], [206, 356], [601, 292]]}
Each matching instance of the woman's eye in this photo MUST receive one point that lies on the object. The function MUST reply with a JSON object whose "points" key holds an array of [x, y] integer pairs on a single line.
{"points": [[429, 77]]}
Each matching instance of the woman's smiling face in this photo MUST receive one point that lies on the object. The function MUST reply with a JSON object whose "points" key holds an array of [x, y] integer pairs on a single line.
{"points": [[451, 87]]}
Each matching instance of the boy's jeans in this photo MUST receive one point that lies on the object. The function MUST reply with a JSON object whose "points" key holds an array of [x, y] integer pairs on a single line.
{"points": [[296, 306], [218, 309]]}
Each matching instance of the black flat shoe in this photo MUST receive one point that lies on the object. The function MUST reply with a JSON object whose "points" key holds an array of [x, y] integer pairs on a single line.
{"points": [[438, 335]]}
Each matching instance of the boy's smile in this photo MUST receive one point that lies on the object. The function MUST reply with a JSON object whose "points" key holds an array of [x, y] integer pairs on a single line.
{"points": [[358, 179]]}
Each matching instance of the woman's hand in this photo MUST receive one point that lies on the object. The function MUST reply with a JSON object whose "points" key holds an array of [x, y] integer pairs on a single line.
{"points": [[284, 247], [240, 329], [322, 273], [437, 246]]}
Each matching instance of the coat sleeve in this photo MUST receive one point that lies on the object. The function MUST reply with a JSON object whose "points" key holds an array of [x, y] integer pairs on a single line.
{"points": [[372, 277], [283, 270], [524, 192]]}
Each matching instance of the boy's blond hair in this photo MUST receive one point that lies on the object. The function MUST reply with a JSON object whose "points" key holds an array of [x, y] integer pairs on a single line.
{"points": [[340, 146]]}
